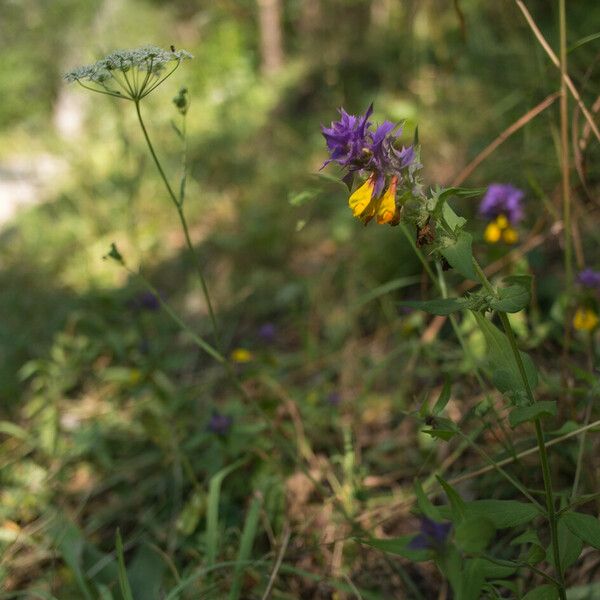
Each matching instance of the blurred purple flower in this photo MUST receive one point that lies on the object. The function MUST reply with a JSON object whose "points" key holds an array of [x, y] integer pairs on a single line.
{"points": [[145, 301], [503, 199], [267, 332], [334, 399], [220, 423], [589, 278], [431, 535]]}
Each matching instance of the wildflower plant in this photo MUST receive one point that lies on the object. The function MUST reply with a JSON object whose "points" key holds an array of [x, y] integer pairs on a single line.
{"points": [[383, 179]]}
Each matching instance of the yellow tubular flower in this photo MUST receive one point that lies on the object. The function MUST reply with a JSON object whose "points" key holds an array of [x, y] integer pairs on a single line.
{"points": [[241, 355], [361, 197], [585, 319], [492, 233], [502, 222], [510, 236], [387, 205]]}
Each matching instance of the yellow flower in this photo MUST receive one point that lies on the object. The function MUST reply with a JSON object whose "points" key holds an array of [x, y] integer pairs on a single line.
{"points": [[364, 206], [500, 229], [510, 236], [502, 221], [585, 319], [361, 199], [387, 205], [241, 355], [492, 233]]}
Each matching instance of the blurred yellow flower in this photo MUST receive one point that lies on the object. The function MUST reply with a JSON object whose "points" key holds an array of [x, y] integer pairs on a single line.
{"points": [[241, 355], [585, 319], [498, 229], [492, 233]]}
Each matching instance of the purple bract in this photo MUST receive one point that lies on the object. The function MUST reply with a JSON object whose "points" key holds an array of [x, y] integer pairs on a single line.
{"points": [[356, 147]]}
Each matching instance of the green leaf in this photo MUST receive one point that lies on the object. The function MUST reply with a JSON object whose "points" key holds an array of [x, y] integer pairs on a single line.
{"points": [[474, 533], [521, 414], [440, 306], [452, 219], [443, 429], [460, 255], [525, 281], [246, 544], [445, 394], [543, 592], [425, 506], [503, 361], [457, 504], [399, 546], [535, 555], [496, 569], [123, 581], [511, 299], [569, 545], [212, 512], [70, 542], [585, 527], [145, 573], [528, 537], [503, 513], [472, 581]]}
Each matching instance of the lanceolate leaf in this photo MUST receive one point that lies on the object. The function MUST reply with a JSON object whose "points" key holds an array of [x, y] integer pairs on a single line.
{"points": [[585, 527], [399, 546], [522, 414], [502, 360], [502, 513], [441, 306]]}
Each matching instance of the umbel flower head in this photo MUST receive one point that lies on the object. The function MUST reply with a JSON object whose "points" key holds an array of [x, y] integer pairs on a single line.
{"points": [[388, 168], [502, 207], [129, 74]]}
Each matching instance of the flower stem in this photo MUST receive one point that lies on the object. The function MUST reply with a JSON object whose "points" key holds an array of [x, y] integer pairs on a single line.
{"points": [[539, 434], [184, 225]]}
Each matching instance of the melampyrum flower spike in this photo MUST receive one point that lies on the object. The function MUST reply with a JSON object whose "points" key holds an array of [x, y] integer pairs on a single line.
{"points": [[129, 74], [386, 170]]}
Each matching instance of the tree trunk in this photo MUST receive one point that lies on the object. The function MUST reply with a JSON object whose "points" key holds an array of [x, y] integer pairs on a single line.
{"points": [[271, 39]]}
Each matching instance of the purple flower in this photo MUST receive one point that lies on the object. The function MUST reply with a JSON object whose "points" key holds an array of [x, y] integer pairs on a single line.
{"points": [[267, 332], [431, 535], [347, 139], [388, 171], [219, 423], [144, 301], [589, 278], [503, 199], [334, 399]]}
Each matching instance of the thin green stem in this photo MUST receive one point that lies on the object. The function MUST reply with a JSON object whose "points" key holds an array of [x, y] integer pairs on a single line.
{"points": [[500, 470], [184, 226], [507, 445], [440, 284], [539, 434]]}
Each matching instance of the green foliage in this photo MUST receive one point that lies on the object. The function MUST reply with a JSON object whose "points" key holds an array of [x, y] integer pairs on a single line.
{"points": [[106, 407]]}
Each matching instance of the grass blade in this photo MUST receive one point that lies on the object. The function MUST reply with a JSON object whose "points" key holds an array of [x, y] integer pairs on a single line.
{"points": [[123, 581], [246, 543]]}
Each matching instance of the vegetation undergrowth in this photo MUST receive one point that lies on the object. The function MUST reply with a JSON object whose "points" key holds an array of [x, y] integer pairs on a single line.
{"points": [[252, 397]]}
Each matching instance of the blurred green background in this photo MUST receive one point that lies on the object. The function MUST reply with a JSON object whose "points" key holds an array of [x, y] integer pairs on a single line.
{"points": [[105, 405]]}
